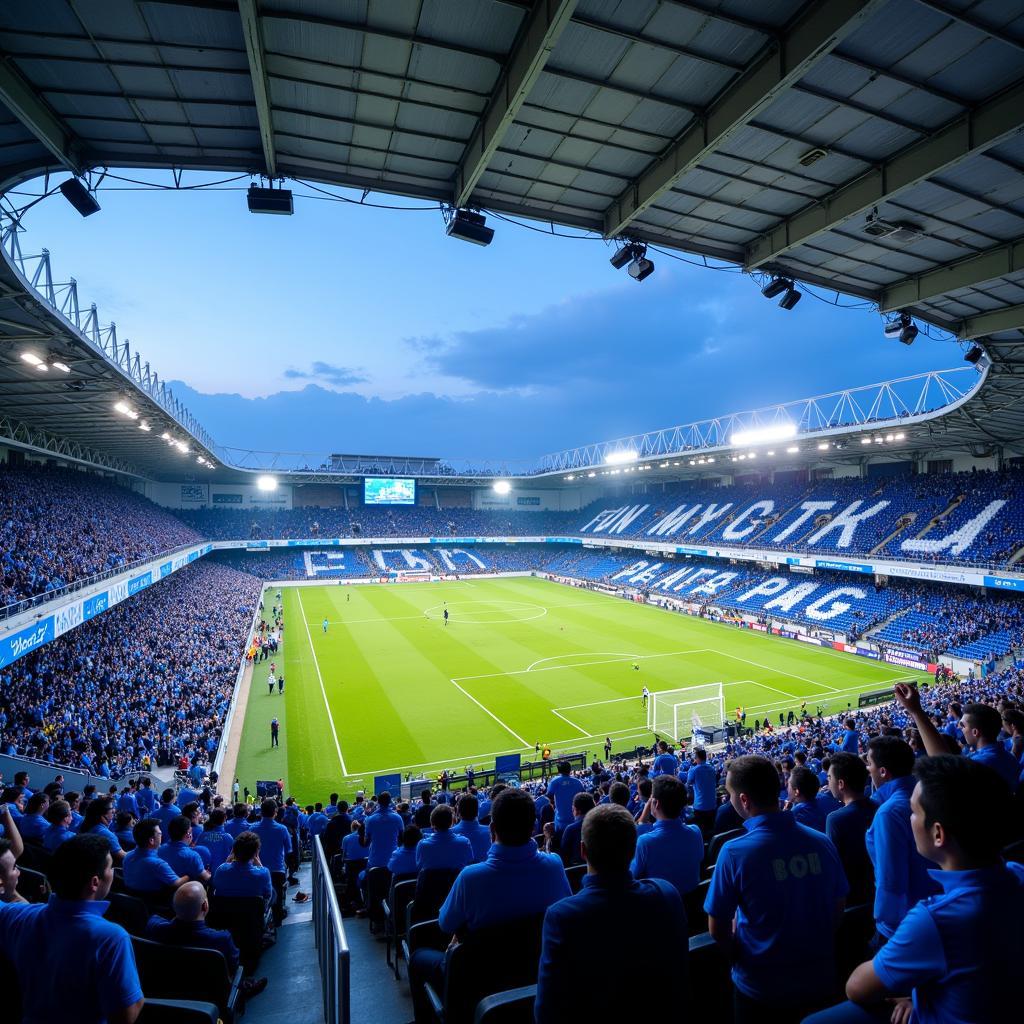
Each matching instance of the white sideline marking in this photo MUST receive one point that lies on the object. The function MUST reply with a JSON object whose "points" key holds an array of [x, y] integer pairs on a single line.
{"points": [[568, 722], [778, 671], [323, 692], [491, 713]]}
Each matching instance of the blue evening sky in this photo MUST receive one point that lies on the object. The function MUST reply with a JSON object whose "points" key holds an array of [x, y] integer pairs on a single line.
{"points": [[358, 329]]}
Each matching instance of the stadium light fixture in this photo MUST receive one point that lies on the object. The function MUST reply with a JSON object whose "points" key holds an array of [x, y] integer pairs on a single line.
{"points": [[776, 287], [865, 440], [143, 425], [270, 200], [126, 410], [591, 475], [79, 197], [502, 487], [974, 354], [792, 449], [621, 257], [182, 447], [823, 447], [59, 364], [902, 329], [641, 269], [763, 435], [620, 457], [711, 458], [898, 437], [31, 358], [470, 227], [790, 299], [266, 483], [633, 255], [771, 453]]}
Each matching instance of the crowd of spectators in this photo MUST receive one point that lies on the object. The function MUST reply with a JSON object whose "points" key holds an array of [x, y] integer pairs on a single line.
{"points": [[150, 679], [59, 526]]}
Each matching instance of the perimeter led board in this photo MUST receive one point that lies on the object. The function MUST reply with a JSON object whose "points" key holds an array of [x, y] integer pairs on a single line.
{"points": [[389, 490]]}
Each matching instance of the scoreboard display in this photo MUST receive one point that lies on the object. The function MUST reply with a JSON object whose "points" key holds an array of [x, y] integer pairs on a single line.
{"points": [[389, 490]]}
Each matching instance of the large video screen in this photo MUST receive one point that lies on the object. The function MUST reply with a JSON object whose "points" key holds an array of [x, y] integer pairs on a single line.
{"points": [[389, 490]]}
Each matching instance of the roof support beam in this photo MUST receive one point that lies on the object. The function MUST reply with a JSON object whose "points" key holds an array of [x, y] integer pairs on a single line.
{"points": [[1011, 318], [985, 125], [537, 38], [23, 102], [986, 266], [779, 66], [253, 35]]}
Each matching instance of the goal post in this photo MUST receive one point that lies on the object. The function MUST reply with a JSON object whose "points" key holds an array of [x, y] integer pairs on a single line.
{"points": [[676, 714]]}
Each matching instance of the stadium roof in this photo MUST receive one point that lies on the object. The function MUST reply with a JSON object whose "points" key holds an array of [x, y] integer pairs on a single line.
{"points": [[874, 146]]}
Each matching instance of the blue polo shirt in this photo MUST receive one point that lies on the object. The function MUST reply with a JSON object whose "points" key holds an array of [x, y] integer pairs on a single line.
{"points": [[44, 939], [32, 826], [275, 844], [811, 814], [850, 741], [443, 850], [127, 802], [182, 859], [55, 835], [236, 826], [403, 861], [561, 790], [846, 828], [146, 800], [901, 873], [219, 844], [514, 881], [664, 764], [672, 851], [112, 840], [382, 831], [235, 879], [606, 905], [317, 822], [958, 952], [569, 846], [164, 814], [703, 779], [995, 756], [144, 871], [352, 848], [781, 881], [479, 837]]}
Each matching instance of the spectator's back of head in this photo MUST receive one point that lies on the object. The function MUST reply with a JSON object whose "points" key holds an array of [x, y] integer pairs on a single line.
{"points": [[513, 816], [144, 831], [851, 771], [753, 785], [564, 768], [889, 757], [268, 808], [189, 902], [57, 811], [618, 793], [442, 818], [583, 804], [178, 828], [804, 782], [609, 839], [469, 808], [670, 794], [384, 799], [245, 847], [411, 836], [81, 868]]}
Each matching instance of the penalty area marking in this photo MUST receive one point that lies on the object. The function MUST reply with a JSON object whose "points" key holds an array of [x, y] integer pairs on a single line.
{"points": [[615, 658], [323, 692], [485, 608], [487, 711]]}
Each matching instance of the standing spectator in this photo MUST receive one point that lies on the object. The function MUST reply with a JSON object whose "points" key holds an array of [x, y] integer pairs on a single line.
{"points": [[275, 845], [672, 851], [802, 790], [611, 902], [779, 881], [901, 873], [45, 940], [702, 782], [275, 730], [958, 953], [847, 826], [561, 789], [569, 845]]}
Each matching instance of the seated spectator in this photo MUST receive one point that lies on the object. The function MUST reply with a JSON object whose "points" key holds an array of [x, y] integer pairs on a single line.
{"points": [[403, 858], [9, 873], [189, 928], [569, 844], [58, 830], [352, 848], [802, 791], [479, 836], [777, 882], [33, 822], [99, 816], [239, 822], [443, 848], [901, 873], [847, 827], [611, 903], [124, 822], [46, 941], [242, 874], [216, 839], [178, 853], [515, 881], [145, 871], [167, 811], [956, 954], [672, 851]]}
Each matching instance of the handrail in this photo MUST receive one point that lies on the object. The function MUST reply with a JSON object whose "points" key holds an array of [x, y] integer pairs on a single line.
{"points": [[331, 943]]}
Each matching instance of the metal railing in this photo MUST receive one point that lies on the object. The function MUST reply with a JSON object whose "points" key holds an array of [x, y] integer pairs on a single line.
{"points": [[331, 943]]}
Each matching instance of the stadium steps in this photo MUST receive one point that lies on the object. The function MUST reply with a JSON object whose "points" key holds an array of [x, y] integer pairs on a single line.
{"points": [[912, 517], [879, 626], [776, 519], [947, 511]]}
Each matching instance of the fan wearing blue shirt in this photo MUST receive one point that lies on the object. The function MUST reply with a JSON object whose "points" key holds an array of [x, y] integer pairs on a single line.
{"points": [[956, 953], [381, 832], [569, 844], [318, 821], [665, 763], [515, 881], [58, 831], [901, 873], [99, 816], [702, 782], [847, 826], [275, 845], [239, 822], [33, 822], [144, 869], [167, 810], [403, 858], [611, 902], [802, 791], [772, 887], [672, 851], [217, 840], [561, 789], [242, 874], [44, 940], [443, 848], [850, 739], [479, 836], [179, 853], [145, 797]]}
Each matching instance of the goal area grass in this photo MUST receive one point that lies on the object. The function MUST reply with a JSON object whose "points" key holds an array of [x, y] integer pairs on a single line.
{"points": [[388, 687]]}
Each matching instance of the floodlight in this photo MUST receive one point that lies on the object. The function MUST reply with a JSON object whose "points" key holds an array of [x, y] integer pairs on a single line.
{"points": [[973, 354], [79, 197], [58, 364], [641, 269], [763, 435], [902, 328], [470, 227], [908, 334], [145, 426], [865, 440], [502, 487], [266, 483], [31, 358], [823, 447], [270, 200], [790, 299], [776, 287], [622, 256], [620, 457], [792, 449], [126, 410]]}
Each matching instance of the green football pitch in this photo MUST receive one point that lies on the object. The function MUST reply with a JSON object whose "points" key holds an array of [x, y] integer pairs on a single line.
{"points": [[389, 688]]}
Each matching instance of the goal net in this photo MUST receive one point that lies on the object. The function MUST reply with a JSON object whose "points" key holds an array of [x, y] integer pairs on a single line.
{"points": [[678, 714]]}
